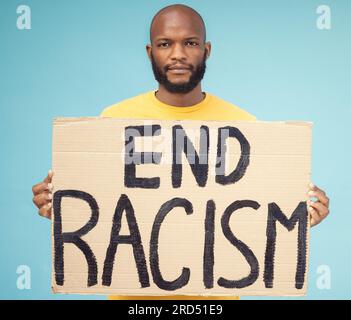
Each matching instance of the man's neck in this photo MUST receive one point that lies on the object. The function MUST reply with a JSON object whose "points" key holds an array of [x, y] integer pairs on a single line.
{"points": [[179, 99]]}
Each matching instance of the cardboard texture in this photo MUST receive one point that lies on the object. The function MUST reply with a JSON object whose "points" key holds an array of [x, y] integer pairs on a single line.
{"points": [[221, 234]]}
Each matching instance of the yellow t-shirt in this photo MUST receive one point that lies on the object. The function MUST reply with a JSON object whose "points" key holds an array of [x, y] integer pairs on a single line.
{"points": [[147, 106]]}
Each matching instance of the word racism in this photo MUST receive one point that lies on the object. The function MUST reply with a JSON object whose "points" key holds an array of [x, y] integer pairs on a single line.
{"points": [[182, 147]]}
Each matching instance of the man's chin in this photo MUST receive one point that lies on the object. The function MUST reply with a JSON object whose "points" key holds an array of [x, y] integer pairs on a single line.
{"points": [[179, 80], [178, 89], [179, 84]]}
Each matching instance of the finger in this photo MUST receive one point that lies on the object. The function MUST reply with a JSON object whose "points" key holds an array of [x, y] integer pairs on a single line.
{"points": [[41, 187], [42, 199], [313, 187], [48, 178], [322, 210], [45, 211], [320, 195], [315, 218]]}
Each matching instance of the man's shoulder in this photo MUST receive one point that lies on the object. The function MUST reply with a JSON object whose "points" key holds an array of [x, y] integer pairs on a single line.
{"points": [[230, 109], [124, 105]]}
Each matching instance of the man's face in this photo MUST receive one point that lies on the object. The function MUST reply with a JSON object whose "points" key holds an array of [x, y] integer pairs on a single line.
{"points": [[179, 78], [178, 52]]}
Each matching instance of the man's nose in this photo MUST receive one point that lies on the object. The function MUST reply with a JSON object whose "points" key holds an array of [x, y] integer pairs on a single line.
{"points": [[178, 52]]}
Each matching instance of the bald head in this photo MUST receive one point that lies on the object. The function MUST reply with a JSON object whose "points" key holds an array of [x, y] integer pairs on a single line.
{"points": [[175, 16]]}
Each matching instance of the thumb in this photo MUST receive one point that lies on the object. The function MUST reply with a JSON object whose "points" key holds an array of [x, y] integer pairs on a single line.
{"points": [[49, 176]]}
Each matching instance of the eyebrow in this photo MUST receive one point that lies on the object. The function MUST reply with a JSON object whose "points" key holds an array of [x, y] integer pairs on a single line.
{"points": [[167, 39], [192, 38]]}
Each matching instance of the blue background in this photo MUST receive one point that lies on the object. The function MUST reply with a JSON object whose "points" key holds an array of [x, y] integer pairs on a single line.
{"points": [[80, 56]]}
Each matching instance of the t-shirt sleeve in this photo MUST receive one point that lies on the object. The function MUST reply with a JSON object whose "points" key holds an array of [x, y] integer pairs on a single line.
{"points": [[252, 117], [105, 112]]}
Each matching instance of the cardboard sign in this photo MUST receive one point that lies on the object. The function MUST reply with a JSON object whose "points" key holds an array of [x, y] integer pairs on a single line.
{"points": [[180, 207]]}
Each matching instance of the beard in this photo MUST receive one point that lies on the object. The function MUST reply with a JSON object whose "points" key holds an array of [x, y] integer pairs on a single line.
{"points": [[197, 74]]}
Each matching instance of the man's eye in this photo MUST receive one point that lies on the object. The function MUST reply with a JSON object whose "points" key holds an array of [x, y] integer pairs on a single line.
{"points": [[163, 45], [191, 43]]}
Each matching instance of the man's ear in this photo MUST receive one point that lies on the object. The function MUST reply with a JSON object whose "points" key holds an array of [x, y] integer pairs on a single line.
{"points": [[208, 49], [148, 50]]}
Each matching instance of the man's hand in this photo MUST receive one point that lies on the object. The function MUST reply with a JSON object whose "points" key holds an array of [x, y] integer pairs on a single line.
{"points": [[318, 209], [42, 196]]}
